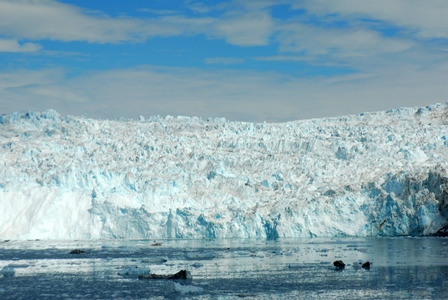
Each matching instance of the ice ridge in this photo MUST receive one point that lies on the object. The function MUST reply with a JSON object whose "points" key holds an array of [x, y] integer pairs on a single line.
{"points": [[372, 174]]}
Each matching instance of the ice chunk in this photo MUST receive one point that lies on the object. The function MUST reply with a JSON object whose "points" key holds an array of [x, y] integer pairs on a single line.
{"points": [[175, 287], [197, 265], [8, 271]]}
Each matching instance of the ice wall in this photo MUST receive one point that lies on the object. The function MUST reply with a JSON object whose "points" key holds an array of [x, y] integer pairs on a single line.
{"points": [[382, 173]]}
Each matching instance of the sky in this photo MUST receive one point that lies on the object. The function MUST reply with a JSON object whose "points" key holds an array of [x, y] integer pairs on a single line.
{"points": [[252, 60]]}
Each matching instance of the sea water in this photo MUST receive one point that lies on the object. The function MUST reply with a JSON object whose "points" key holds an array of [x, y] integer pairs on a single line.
{"points": [[401, 268]]}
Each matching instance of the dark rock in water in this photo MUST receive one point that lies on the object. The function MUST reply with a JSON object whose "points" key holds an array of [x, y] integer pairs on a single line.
{"points": [[181, 275], [366, 265], [442, 231], [77, 251], [339, 264], [156, 244]]}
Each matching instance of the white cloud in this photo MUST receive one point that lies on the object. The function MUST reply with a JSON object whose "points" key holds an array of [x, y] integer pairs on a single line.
{"points": [[428, 19], [402, 70], [237, 28], [248, 29], [242, 23], [23, 77], [47, 19], [11, 45], [346, 42], [236, 95], [50, 92]]}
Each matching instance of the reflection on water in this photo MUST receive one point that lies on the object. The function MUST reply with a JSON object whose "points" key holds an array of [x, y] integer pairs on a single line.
{"points": [[402, 268]]}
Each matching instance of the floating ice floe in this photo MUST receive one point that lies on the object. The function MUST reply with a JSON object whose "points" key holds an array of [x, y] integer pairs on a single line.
{"points": [[175, 287], [197, 265], [8, 272]]}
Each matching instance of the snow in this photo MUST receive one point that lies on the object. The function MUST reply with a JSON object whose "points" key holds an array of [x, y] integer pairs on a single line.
{"points": [[372, 174]]}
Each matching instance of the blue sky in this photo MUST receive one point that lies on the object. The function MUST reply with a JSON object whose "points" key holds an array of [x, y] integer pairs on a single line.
{"points": [[247, 60]]}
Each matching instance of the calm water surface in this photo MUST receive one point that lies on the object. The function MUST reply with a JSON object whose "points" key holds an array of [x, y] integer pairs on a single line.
{"points": [[402, 268]]}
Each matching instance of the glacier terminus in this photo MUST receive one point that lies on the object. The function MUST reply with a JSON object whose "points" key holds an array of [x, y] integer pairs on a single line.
{"points": [[371, 174]]}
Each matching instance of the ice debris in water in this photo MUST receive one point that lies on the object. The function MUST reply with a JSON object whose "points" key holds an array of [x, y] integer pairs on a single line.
{"points": [[197, 265], [77, 251], [181, 275], [154, 260], [8, 271], [362, 264], [199, 256], [175, 287], [373, 174], [134, 271]]}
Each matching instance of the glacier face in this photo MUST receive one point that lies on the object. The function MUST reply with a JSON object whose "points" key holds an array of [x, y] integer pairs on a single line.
{"points": [[373, 174]]}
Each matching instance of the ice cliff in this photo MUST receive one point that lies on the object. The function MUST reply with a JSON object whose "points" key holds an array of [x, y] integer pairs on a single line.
{"points": [[372, 174]]}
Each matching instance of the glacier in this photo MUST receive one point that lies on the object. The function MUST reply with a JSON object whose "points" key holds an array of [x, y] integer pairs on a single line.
{"points": [[371, 174]]}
